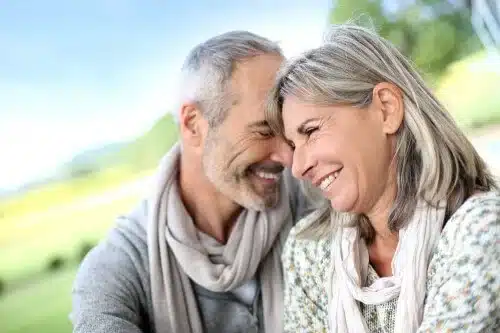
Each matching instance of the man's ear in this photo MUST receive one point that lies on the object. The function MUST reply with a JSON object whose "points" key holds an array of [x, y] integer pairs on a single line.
{"points": [[389, 99], [192, 124]]}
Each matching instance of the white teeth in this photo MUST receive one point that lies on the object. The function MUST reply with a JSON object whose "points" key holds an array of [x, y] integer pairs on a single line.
{"points": [[267, 175], [328, 180]]}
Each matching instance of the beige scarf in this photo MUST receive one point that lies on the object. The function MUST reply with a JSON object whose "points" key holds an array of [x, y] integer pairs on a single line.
{"points": [[177, 254], [408, 283]]}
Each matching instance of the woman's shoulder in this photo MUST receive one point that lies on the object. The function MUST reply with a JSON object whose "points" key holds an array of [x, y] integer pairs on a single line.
{"points": [[478, 212], [462, 269], [472, 229], [487, 202]]}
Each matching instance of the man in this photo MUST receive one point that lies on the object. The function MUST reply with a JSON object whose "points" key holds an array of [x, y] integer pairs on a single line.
{"points": [[202, 254]]}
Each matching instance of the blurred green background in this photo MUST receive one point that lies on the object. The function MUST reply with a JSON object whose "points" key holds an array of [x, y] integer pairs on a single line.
{"points": [[47, 227]]}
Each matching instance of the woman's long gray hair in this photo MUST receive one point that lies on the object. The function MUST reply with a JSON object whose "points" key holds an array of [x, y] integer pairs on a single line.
{"points": [[434, 159]]}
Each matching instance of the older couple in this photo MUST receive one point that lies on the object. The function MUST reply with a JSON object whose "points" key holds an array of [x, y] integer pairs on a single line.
{"points": [[396, 230]]}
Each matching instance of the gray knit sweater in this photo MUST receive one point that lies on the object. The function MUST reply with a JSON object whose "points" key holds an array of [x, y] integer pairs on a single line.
{"points": [[112, 290]]}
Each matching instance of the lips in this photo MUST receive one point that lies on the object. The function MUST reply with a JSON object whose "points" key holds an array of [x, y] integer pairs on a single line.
{"points": [[324, 182]]}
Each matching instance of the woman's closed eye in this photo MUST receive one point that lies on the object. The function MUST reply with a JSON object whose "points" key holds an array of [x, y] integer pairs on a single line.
{"points": [[305, 133], [310, 130]]}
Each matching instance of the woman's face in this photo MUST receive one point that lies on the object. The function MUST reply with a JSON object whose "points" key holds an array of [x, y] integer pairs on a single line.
{"points": [[343, 150]]}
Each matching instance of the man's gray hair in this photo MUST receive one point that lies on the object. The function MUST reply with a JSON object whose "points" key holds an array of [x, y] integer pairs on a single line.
{"points": [[209, 66]]}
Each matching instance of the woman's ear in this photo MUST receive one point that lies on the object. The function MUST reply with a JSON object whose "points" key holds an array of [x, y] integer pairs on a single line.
{"points": [[390, 100], [191, 119]]}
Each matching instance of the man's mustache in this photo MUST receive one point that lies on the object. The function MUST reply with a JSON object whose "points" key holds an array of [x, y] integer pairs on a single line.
{"points": [[267, 166]]}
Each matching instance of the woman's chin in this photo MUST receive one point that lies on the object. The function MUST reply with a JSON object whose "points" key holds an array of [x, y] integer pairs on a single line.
{"points": [[341, 204]]}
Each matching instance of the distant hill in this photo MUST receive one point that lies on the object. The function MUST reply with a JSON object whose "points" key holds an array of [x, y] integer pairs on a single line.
{"points": [[98, 155], [92, 160], [146, 151], [139, 154]]}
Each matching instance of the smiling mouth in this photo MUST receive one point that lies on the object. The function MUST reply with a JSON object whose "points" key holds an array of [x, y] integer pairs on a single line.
{"points": [[267, 172], [325, 183]]}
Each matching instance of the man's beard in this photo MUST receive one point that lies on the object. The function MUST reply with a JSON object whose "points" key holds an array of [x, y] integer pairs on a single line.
{"points": [[238, 184]]}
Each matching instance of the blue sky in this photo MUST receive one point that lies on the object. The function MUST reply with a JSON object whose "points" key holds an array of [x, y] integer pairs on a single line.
{"points": [[78, 74]]}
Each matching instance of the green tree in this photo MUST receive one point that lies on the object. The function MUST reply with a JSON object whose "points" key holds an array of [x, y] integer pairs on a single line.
{"points": [[432, 33]]}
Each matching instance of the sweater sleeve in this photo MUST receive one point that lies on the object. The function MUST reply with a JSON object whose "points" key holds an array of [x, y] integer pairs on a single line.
{"points": [[107, 291], [464, 274]]}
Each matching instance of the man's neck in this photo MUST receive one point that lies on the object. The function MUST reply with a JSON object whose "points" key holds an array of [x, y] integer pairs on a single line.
{"points": [[212, 212]]}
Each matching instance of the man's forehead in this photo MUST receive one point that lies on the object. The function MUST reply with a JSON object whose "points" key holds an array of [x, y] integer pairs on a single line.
{"points": [[248, 90], [249, 115], [255, 75]]}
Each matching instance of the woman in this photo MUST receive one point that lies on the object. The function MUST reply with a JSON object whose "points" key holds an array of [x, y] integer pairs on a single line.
{"points": [[413, 243]]}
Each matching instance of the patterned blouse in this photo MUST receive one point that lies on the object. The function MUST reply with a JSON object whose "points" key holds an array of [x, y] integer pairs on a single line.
{"points": [[463, 290]]}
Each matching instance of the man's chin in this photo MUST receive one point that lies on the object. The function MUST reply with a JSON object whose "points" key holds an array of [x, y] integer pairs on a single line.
{"points": [[269, 199], [253, 193], [271, 202], [260, 200]]}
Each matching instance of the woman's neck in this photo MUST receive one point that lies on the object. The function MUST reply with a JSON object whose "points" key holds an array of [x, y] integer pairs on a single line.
{"points": [[381, 252], [385, 242]]}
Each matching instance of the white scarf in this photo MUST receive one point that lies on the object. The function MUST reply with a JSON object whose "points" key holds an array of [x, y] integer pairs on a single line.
{"points": [[409, 267], [177, 254]]}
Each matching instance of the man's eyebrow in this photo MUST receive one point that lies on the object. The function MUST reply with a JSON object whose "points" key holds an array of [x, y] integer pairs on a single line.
{"points": [[302, 128], [257, 124]]}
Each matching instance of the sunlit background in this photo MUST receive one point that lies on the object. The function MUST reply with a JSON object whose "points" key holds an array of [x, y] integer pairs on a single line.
{"points": [[87, 90]]}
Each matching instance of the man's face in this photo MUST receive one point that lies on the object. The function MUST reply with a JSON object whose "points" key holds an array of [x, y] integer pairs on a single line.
{"points": [[241, 156]]}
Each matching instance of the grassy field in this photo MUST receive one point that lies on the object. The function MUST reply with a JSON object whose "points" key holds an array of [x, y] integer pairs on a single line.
{"points": [[30, 238], [37, 240], [37, 300], [41, 307]]}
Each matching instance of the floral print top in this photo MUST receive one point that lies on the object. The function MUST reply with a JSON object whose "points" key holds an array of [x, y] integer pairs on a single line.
{"points": [[463, 289]]}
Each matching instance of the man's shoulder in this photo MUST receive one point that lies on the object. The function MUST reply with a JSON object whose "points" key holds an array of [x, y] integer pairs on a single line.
{"points": [[130, 230], [122, 251], [112, 282]]}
